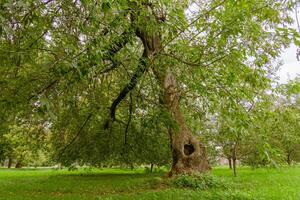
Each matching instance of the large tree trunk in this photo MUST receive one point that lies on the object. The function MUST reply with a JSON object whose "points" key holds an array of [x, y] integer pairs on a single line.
{"points": [[189, 155]]}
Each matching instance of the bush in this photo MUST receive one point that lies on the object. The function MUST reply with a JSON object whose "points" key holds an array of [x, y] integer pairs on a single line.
{"points": [[199, 181]]}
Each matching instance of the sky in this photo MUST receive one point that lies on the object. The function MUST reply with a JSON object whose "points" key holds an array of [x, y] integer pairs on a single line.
{"points": [[291, 67]]}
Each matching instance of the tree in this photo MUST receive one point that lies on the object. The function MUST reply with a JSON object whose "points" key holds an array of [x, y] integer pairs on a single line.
{"points": [[273, 136], [86, 61], [288, 118], [25, 144]]}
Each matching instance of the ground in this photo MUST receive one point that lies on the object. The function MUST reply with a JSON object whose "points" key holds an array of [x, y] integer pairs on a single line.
{"points": [[110, 184]]}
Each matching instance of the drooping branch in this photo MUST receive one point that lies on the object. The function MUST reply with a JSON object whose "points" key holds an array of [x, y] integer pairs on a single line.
{"points": [[118, 44], [45, 88], [151, 45], [141, 68], [114, 48], [77, 134]]}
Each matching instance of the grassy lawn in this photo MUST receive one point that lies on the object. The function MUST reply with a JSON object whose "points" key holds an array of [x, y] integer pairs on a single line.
{"points": [[108, 184]]}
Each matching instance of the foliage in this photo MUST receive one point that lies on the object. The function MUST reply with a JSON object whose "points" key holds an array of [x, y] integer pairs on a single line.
{"points": [[265, 130], [26, 144], [65, 63], [275, 135], [199, 181]]}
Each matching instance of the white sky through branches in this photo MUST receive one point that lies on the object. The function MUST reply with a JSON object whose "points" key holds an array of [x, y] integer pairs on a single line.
{"points": [[291, 67]]}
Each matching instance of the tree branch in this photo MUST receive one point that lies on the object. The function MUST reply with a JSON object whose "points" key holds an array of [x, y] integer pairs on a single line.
{"points": [[44, 89], [141, 68], [114, 48], [77, 135]]}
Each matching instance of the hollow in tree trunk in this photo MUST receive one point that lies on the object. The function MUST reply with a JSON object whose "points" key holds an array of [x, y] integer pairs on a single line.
{"points": [[189, 155]]}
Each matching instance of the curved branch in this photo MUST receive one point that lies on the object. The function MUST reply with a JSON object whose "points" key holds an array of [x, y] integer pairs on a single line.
{"points": [[114, 48], [117, 45], [142, 66]]}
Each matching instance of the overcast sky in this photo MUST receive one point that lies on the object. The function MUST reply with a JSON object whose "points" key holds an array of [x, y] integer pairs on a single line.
{"points": [[291, 67]]}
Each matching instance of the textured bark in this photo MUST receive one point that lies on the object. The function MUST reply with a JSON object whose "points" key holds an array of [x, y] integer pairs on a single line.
{"points": [[189, 155]]}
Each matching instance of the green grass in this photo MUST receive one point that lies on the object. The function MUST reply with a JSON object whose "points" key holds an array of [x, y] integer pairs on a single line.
{"points": [[110, 184]]}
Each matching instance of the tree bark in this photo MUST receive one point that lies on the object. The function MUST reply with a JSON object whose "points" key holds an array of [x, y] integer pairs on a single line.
{"points": [[189, 154], [234, 166], [229, 162], [9, 163], [234, 149]]}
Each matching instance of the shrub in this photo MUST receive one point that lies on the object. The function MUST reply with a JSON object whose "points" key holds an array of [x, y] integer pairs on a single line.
{"points": [[199, 181]]}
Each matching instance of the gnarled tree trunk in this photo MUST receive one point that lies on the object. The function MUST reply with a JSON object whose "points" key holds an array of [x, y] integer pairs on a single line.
{"points": [[189, 155]]}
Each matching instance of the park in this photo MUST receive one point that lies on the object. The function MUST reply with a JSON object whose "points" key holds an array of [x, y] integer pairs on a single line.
{"points": [[150, 99]]}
